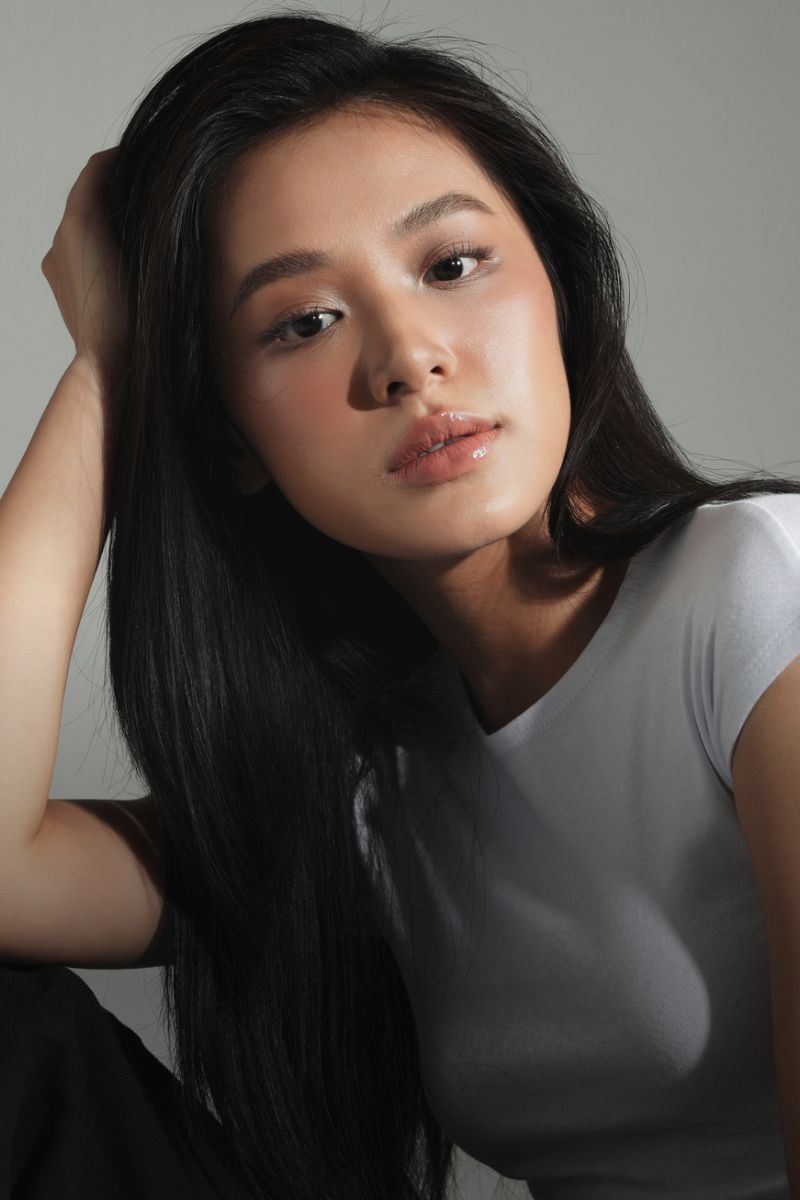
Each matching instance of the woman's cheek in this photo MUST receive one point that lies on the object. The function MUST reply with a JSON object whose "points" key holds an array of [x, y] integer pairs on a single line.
{"points": [[523, 335]]}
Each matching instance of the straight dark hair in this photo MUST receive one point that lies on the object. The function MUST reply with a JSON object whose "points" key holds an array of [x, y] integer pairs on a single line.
{"points": [[262, 672]]}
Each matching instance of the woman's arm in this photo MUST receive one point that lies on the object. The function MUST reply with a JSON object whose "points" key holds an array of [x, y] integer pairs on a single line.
{"points": [[766, 780], [87, 891], [51, 539], [79, 881]]}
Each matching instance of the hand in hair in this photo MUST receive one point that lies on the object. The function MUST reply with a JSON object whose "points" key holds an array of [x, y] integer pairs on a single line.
{"points": [[85, 274]]}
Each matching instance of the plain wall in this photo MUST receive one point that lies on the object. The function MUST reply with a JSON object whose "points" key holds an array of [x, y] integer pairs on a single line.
{"points": [[680, 117]]}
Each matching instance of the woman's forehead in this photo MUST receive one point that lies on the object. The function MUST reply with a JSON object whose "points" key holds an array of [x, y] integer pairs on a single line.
{"points": [[349, 171], [369, 124]]}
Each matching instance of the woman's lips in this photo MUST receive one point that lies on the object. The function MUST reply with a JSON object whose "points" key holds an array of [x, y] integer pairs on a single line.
{"points": [[432, 430], [453, 459]]}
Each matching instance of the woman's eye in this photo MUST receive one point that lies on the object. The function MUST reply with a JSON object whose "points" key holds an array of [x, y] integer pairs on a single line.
{"points": [[456, 255], [306, 324]]}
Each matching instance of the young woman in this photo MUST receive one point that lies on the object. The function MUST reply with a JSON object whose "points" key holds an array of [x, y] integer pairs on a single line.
{"points": [[467, 707]]}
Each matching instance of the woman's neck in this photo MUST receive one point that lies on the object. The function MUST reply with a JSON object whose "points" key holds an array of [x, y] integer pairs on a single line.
{"points": [[511, 618]]}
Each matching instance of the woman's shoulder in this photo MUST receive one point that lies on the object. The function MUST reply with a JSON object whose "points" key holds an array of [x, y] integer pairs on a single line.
{"points": [[745, 544], [725, 577], [756, 511], [741, 614]]}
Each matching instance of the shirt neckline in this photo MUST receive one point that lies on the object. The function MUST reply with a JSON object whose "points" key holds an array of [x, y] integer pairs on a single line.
{"points": [[565, 690]]}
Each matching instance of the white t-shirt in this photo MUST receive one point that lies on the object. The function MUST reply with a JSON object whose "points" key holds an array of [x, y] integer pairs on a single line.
{"points": [[571, 901]]}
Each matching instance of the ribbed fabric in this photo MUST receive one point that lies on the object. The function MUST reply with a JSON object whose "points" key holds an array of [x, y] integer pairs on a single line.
{"points": [[84, 1105], [571, 901]]}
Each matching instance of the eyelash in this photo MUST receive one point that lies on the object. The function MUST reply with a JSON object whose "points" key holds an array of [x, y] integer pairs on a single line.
{"points": [[460, 250]]}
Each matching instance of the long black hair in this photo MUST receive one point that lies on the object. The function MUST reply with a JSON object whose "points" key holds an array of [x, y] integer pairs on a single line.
{"points": [[262, 671]]}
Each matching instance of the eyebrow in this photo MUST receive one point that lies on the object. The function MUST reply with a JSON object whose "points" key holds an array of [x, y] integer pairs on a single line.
{"points": [[300, 262]]}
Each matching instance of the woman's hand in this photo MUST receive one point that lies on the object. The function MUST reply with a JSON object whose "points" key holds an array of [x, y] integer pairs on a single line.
{"points": [[84, 271]]}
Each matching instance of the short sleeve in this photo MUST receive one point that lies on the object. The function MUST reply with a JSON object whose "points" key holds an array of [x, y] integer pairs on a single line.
{"points": [[745, 615]]}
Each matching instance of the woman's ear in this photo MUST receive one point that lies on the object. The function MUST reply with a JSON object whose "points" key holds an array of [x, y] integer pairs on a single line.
{"points": [[250, 474]]}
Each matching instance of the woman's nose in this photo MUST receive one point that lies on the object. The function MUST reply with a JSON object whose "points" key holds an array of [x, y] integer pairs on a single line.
{"points": [[408, 356]]}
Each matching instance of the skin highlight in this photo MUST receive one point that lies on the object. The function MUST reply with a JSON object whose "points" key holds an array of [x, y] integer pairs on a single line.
{"points": [[399, 338]]}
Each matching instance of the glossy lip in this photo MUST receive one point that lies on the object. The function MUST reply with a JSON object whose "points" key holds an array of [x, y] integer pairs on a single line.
{"points": [[448, 462], [429, 431]]}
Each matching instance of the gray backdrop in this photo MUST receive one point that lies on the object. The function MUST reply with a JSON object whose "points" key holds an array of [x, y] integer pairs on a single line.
{"points": [[680, 116]]}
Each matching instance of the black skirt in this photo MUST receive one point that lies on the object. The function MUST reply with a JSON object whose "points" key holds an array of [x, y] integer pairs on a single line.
{"points": [[85, 1108]]}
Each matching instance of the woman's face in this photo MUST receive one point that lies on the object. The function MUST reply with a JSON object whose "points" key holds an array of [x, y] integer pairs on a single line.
{"points": [[400, 332]]}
